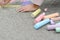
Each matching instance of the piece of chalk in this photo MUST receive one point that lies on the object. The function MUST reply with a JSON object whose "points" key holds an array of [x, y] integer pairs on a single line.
{"points": [[39, 18], [34, 14], [42, 23], [52, 15], [52, 22], [46, 9], [26, 3], [52, 27], [56, 18], [12, 1], [57, 29], [15, 6]]}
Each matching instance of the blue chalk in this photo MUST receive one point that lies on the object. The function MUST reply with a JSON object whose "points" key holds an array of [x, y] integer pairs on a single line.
{"points": [[26, 3], [42, 23]]}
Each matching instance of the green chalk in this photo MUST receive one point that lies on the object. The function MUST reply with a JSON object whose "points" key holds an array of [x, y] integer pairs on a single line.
{"points": [[57, 29]]}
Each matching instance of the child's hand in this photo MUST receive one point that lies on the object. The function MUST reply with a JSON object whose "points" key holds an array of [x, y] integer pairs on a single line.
{"points": [[30, 7]]}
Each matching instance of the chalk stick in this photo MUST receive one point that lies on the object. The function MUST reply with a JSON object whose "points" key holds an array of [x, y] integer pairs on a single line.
{"points": [[39, 18], [56, 18], [12, 1], [52, 15], [52, 22], [15, 6], [34, 14], [52, 27], [42, 23], [57, 29], [26, 3]]}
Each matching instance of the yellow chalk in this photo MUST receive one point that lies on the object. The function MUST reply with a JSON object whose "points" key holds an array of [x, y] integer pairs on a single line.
{"points": [[0, 6], [52, 15], [34, 14], [15, 6]]}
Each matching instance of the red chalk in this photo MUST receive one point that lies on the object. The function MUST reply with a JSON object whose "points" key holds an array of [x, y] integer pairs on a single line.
{"points": [[39, 18]]}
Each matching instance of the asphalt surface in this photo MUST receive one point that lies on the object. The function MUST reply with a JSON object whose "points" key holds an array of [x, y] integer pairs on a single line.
{"points": [[19, 26]]}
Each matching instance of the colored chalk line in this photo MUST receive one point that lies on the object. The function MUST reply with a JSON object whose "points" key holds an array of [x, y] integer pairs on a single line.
{"points": [[14, 6]]}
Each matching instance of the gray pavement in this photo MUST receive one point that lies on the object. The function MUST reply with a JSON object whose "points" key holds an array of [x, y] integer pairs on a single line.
{"points": [[19, 26]]}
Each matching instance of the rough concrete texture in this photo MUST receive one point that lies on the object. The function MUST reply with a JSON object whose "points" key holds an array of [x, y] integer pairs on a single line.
{"points": [[19, 26]]}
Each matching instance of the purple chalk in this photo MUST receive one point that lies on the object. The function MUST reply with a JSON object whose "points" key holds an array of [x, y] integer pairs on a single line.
{"points": [[26, 3], [52, 22], [51, 27]]}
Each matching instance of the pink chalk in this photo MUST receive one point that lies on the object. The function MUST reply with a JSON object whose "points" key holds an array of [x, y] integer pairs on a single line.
{"points": [[39, 18], [12, 1], [56, 18], [51, 27], [52, 22]]}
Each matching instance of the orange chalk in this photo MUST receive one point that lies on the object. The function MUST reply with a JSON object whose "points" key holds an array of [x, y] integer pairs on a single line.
{"points": [[52, 15]]}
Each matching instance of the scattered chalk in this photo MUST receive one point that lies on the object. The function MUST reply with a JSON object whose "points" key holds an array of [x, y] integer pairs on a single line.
{"points": [[42, 23], [34, 14], [52, 27]]}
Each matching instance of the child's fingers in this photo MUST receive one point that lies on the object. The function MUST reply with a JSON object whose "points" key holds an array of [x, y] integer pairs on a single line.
{"points": [[25, 10], [20, 9]]}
